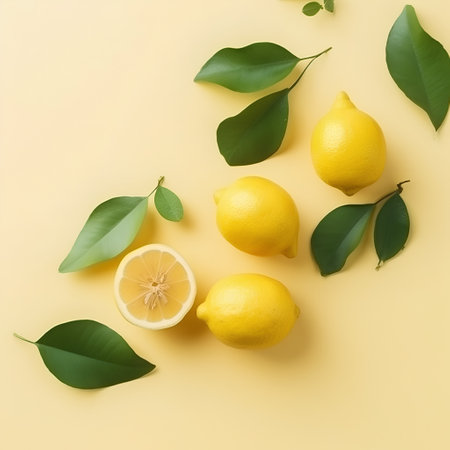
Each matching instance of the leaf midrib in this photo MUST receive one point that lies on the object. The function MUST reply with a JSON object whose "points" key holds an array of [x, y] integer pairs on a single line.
{"points": [[104, 361]]}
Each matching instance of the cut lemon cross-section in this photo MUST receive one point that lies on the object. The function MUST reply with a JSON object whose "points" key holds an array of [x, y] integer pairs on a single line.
{"points": [[154, 287]]}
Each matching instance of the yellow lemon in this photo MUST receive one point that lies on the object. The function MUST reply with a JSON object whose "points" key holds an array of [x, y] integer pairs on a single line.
{"points": [[258, 216], [154, 287], [249, 311], [347, 147]]}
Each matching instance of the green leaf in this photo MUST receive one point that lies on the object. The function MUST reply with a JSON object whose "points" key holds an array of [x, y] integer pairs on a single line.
{"points": [[109, 230], [391, 228], [419, 65], [329, 5], [256, 132], [338, 234], [250, 68], [312, 8], [168, 204], [86, 354]]}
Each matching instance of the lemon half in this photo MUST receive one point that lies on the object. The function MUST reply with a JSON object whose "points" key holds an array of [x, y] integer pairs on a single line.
{"points": [[154, 287]]}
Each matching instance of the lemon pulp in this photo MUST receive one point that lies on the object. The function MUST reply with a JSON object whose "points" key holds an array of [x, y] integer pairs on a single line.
{"points": [[154, 287]]}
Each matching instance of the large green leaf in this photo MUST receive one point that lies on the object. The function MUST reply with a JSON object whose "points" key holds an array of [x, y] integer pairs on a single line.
{"points": [[168, 204], [250, 68], [109, 230], [391, 228], [419, 65], [256, 132], [86, 354], [338, 234]]}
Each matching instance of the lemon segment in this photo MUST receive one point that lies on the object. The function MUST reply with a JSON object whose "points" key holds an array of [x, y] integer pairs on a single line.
{"points": [[258, 216], [249, 311], [154, 287], [348, 148]]}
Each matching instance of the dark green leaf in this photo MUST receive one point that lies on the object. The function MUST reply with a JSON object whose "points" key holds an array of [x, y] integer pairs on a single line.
{"points": [[109, 230], [419, 65], [256, 132], [338, 234], [250, 68], [391, 228], [86, 354], [168, 204], [311, 8], [329, 5]]}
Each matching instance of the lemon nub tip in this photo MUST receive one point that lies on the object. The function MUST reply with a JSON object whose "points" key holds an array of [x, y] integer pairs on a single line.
{"points": [[217, 195], [291, 251], [342, 101]]}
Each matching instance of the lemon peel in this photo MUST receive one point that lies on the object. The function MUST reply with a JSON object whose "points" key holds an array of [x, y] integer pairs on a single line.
{"points": [[348, 148], [249, 311], [258, 216]]}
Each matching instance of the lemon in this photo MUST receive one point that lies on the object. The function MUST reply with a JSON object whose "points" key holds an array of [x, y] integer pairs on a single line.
{"points": [[348, 147], [258, 216], [154, 287], [249, 311]]}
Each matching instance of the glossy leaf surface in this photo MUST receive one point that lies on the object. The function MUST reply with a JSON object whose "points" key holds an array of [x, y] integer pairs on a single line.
{"points": [[250, 68], [419, 65], [86, 354], [391, 228], [256, 132], [109, 230], [338, 234], [168, 204], [311, 8]]}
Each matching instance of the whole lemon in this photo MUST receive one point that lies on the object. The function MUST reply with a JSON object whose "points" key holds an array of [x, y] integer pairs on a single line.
{"points": [[348, 148], [258, 216], [249, 311]]}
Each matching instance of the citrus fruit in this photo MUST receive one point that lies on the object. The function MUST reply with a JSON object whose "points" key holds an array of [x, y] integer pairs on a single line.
{"points": [[154, 287], [249, 311], [258, 216], [347, 147]]}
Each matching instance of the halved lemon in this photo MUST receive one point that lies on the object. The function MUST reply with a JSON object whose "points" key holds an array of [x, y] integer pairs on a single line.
{"points": [[154, 287]]}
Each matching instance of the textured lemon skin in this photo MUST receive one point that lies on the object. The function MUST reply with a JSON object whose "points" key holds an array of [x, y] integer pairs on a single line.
{"points": [[258, 216], [348, 148], [249, 311]]}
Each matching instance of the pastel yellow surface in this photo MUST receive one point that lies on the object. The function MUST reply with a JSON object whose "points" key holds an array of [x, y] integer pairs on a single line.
{"points": [[97, 100]]}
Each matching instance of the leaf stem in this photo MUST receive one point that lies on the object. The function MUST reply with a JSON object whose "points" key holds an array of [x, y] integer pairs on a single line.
{"points": [[160, 181], [22, 338], [399, 190], [312, 58]]}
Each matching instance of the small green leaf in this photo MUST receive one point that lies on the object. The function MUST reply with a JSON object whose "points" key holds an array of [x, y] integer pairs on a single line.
{"points": [[250, 68], [86, 354], [391, 228], [329, 5], [338, 234], [256, 132], [168, 204], [419, 65], [312, 8], [109, 230]]}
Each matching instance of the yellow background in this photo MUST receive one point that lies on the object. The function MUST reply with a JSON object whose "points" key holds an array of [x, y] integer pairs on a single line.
{"points": [[98, 100]]}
